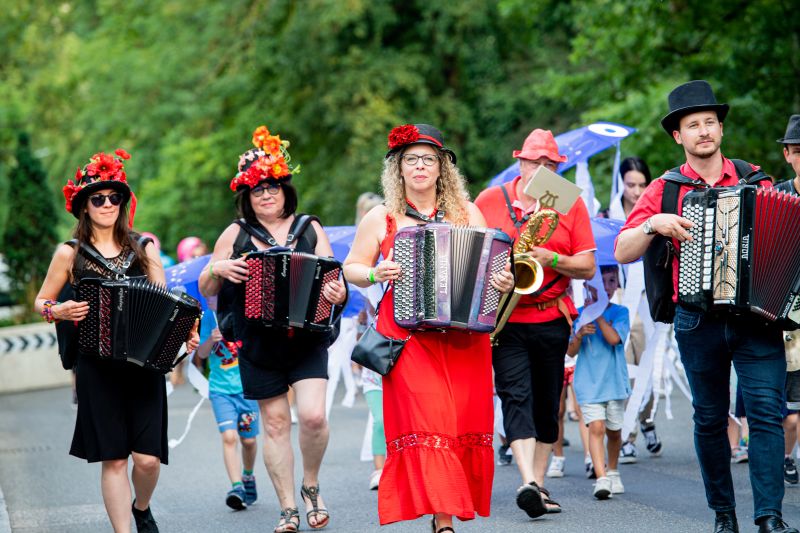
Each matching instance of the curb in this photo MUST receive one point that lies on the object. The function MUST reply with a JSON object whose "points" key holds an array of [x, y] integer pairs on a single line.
{"points": [[5, 522]]}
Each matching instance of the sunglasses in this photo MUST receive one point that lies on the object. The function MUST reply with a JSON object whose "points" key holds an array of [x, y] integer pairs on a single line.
{"points": [[99, 200]]}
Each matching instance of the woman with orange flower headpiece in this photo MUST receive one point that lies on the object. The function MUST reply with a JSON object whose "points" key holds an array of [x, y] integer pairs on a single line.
{"points": [[122, 408], [272, 359], [437, 399]]}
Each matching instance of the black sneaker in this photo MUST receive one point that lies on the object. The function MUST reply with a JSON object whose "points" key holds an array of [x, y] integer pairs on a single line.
{"points": [[790, 471], [653, 442], [145, 523], [503, 458]]}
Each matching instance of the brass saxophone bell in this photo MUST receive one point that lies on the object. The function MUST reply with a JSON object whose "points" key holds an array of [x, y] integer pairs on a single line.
{"points": [[529, 273]]}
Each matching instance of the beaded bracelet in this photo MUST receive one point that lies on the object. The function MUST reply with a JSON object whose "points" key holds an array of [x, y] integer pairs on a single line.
{"points": [[47, 311]]}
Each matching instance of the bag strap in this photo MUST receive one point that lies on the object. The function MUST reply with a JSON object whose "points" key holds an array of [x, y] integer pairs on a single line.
{"points": [[517, 221], [413, 213]]}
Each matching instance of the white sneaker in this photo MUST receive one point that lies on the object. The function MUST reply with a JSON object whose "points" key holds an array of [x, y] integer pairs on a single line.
{"points": [[627, 455], [556, 468], [616, 482], [375, 479], [602, 488]]}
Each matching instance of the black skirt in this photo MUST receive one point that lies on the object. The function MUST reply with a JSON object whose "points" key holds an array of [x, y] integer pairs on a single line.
{"points": [[122, 408]]}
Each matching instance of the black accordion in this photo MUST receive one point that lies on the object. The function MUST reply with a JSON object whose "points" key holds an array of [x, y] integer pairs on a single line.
{"points": [[284, 289], [136, 321], [744, 253], [445, 273]]}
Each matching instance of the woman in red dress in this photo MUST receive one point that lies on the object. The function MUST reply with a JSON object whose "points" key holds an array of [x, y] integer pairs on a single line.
{"points": [[437, 400]]}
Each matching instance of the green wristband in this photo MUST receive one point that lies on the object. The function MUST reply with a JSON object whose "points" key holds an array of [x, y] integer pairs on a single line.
{"points": [[555, 260], [211, 271], [371, 275]]}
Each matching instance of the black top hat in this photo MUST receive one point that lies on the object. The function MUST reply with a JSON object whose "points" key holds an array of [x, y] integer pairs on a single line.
{"points": [[402, 136], [689, 98], [792, 135]]}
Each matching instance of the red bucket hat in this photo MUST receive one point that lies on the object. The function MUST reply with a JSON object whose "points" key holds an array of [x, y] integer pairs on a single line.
{"points": [[104, 171], [540, 143]]}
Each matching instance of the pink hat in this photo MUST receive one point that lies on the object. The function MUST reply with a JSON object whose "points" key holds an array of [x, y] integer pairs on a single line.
{"points": [[540, 143], [186, 247]]}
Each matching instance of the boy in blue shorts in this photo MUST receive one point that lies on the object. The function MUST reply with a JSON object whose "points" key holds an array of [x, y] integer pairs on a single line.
{"points": [[601, 382], [235, 415]]}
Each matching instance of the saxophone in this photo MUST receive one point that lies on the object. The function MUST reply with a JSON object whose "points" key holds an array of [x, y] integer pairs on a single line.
{"points": [[529, 273]]}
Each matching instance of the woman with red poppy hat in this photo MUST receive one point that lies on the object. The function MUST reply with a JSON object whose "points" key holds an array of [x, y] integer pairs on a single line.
{"points": [[122, 408], [437, 399], [272, 359]]}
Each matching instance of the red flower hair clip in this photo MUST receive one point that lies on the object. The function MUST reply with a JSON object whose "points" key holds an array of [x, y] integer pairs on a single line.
{"points": [[402, 135]]}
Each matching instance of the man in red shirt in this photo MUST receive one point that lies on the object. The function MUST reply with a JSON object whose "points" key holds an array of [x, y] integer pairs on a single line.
{"points": [[529, 357], [710, 342]]}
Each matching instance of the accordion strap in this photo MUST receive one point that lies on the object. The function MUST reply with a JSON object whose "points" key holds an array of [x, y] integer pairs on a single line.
{"points": [[438, 216], [261, 233], [92, 253]]}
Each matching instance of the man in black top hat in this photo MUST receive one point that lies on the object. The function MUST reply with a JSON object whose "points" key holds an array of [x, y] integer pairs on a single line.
{"points": [[709, 342], [791, 152]]}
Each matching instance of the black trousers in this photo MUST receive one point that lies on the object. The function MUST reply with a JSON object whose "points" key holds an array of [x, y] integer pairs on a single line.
{"points": [[529, 375]]}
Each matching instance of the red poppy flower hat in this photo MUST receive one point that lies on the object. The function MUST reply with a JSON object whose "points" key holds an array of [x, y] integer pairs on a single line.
{"points": [[104, 171], [268, 161], [402, 136]]}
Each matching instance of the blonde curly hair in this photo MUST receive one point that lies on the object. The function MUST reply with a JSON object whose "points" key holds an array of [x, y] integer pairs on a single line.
{"points": [[451, 187]]}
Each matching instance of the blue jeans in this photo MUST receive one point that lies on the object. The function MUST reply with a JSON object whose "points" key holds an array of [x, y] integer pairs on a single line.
{"points": [[708, 343]]}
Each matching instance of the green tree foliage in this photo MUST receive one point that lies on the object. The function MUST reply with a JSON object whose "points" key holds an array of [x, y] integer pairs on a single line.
{"points": [[29, 237], [182, 85]]}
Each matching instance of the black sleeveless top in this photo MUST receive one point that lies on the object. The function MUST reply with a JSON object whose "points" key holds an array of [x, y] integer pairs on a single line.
{"points": [[257, 340]]}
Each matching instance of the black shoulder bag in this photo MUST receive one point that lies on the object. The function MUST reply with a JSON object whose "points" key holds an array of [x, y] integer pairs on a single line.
{"points": [[376, 351]]}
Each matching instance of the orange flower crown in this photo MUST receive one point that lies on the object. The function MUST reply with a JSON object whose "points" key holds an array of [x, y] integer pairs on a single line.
{"points": [[101, 167], [269, 160]]}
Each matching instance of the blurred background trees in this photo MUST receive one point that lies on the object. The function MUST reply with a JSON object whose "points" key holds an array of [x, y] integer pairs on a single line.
{"points": [[182, 85]]}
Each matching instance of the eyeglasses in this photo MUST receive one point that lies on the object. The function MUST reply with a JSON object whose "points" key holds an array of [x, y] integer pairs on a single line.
{"points": [[99, 200], [258, 190], [427, 160]]}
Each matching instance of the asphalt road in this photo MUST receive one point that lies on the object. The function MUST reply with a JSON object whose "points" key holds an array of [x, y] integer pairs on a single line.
{"points": [[46, 490]]}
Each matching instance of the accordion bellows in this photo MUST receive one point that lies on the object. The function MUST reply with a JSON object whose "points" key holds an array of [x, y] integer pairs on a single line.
{"points": [[744, 253], [284, 289], [445, 273], [136, 321]]}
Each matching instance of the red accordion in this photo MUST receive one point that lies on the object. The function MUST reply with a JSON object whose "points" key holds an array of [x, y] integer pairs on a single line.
{"points": [[136, 321], [744, 253], [284, 289]]}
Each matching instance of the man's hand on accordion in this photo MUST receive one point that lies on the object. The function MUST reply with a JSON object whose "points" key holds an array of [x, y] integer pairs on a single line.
{"points": [[503, 281], [334, 292], [193, 340], [71, 310], [670, 225]]}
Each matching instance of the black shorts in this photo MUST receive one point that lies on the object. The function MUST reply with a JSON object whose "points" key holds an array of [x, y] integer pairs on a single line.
{"points": [[271, 360], [529, 376]]}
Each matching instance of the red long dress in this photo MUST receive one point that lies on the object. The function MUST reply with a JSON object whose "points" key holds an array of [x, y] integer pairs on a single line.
{"points": [[438, 420]]}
